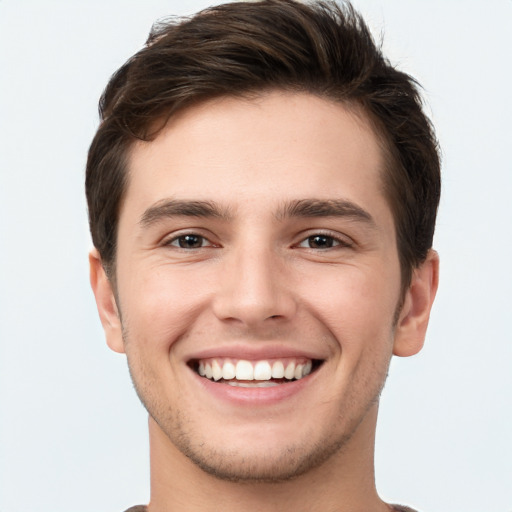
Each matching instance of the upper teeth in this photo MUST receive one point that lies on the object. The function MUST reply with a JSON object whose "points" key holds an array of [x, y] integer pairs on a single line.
{"points": [[242, 369]]}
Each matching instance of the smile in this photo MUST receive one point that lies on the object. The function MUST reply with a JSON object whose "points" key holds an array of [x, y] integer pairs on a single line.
{"points": [[262, 373]]}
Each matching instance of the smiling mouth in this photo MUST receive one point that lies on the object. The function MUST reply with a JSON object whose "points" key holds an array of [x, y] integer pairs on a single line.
{"points": [[262, 373]]}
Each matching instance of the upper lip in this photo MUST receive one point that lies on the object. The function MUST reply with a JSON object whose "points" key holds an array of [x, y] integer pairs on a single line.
{"points": [[254, 352]]}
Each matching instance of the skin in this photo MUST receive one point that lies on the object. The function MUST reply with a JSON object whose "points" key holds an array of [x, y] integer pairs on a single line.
{"points": [[257, 282]]}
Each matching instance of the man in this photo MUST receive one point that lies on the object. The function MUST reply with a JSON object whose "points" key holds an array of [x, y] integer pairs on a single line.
{"points": [[262, 195]]}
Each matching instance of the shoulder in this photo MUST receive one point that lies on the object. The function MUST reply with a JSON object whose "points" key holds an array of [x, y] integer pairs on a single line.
{"points": [[402, 508], [396, 508]]}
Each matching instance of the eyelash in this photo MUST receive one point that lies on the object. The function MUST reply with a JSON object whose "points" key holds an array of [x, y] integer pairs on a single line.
{"points": [[330, 240], [335, 241], [176, 241]]}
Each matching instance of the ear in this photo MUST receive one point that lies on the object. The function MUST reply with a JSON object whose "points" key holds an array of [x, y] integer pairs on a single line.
{"points": [[106, 302], [413, 320]]}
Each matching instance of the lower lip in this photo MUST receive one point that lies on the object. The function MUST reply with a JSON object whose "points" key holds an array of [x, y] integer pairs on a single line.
{"points": [[253, 395]]}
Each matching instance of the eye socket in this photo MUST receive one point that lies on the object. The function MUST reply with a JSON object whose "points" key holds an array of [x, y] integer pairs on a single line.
{"points": [[190, 241], [322, 241], [316, 241]]}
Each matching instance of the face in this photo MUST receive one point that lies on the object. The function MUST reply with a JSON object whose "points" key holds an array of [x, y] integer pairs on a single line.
{"points": [[257, 282]]}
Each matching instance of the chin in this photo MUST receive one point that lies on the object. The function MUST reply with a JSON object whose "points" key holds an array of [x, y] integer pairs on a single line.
{"points": [[266, 456], [290, 463]]}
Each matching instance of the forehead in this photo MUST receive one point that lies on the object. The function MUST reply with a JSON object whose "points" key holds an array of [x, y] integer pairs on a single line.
{"points": [[276, 147]]}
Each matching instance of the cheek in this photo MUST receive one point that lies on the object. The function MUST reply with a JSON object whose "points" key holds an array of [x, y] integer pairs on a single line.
{"points": [[357, 305], [158, 307], [357, 293]]}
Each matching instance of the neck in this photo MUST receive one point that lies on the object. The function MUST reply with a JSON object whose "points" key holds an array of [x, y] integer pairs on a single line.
{"points": [[343, 483]]}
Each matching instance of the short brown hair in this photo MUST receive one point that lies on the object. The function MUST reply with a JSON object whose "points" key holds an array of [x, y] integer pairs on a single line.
{"points": [[241, 48]]}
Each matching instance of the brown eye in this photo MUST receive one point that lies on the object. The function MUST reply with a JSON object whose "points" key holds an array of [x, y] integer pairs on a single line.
{"points": [[190, 241], [321, 242]]}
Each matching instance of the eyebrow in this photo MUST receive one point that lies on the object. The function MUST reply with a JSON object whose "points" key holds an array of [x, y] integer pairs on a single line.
{"points": [[305, 208], [182, 208], [325, 208]]}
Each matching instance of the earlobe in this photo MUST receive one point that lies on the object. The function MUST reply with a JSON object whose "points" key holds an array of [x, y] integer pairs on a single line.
{"points": [[414, 316], [105, 302]]}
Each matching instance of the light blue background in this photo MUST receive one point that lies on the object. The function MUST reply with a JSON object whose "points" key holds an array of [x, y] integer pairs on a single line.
{"points": [[73, 435]]}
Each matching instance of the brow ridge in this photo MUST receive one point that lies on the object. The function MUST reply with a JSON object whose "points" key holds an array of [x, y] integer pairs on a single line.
{"points": [[306, 208], [325, 208], [167, 208]]}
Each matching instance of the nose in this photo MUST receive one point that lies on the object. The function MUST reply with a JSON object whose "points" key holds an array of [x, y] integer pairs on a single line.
{"points": [[254, 289]]}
